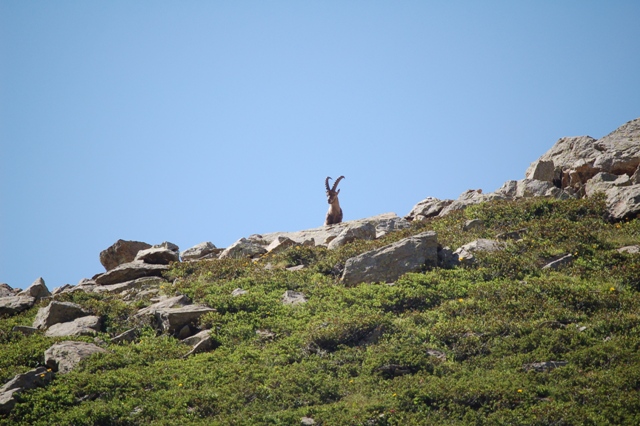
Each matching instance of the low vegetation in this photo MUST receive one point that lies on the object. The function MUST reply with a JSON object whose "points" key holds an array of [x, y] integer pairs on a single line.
{"points": [[448, 347]]}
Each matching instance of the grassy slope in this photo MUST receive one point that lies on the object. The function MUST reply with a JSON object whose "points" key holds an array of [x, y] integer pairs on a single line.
{"points": [[359, 355]]}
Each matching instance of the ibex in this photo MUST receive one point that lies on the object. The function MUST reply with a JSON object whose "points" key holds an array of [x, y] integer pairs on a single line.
{"points": [[334, 215]]}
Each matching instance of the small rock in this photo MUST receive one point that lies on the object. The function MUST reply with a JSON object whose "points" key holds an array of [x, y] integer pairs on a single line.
{"points": [[157, 256], [360, 231], [563, 261], [280, 243], [201, 342], [307, 421], [173, 320], [436, 353], [473, 225], [295, 268], [199, 251], [629, 249], [291, 297], [386, 226], [466, 199], [62, 289], [265, 334], [544, 366], [465, 252], [429, 207], [128, 336], [238, 292], [24, 329], [243, 248]]}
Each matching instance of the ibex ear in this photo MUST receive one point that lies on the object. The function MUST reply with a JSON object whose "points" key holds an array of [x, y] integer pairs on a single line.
{"points": [[337, 192]]}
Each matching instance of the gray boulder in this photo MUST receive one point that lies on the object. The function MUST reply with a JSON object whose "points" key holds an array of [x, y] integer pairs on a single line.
{"points": [[32, 379], [170, 302], [129, 272], [280, 243], [13, 305], [157, 256], [602, 182], [466, 199], [527, 188], [83, 326], [128, 336], [173, 320], [543, 170], [473, 225], [199, 251], [623, 202], [62, 289], [429, 207], [629, 249], [291, 297], [386, 226], [65, 356], [360, 231], [466, 252], [388, 263], [57, 312], [238, 292], [121, 252], [540, 367], [243, 248], [508, 190], [24, 329], [200, 342], [173, 314], [37, 290]]}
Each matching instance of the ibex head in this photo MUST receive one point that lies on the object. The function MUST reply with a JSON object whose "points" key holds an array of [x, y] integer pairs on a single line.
{"points": [[332, 194]]}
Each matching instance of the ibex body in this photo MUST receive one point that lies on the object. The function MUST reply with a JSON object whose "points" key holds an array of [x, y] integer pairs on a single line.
{"points": [[334, 215]]}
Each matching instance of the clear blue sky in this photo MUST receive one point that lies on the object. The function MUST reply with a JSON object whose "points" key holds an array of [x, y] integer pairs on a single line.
{"points": [[198, 121]]}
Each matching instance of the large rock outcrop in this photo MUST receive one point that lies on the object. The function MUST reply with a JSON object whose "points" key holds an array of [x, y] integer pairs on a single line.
{"points": [[573, 167]]}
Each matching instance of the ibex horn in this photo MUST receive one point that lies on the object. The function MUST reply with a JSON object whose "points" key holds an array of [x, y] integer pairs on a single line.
{"points": [[335, 184], [326, 183]]}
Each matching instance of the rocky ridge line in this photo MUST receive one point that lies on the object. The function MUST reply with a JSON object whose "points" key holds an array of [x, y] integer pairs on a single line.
{"points": [[574, 167]]}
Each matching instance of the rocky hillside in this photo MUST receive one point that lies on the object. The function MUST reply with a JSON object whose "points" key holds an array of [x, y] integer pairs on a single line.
{"points": [[512, 307]]}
